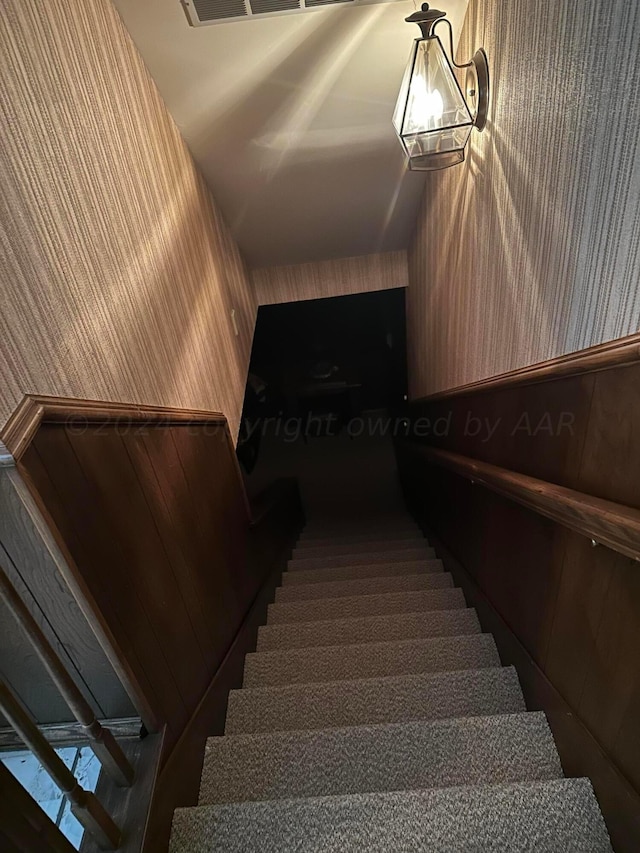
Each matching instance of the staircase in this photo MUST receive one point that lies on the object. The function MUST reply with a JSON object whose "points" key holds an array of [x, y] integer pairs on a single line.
{"points": [[375, 715]]}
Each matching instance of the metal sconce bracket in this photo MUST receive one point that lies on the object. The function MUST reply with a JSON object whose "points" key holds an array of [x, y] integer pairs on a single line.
{"points": [[477, 89]]}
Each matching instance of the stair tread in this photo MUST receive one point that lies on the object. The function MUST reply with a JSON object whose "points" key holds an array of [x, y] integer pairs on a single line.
{"points": [[355, 538], [375, 716], [365, 586], [333, 526], [530, 817], [359, 534], [365, 605], [393, 756], [370, 660], [358, 558], [363, 547], [364, 570], [369, 629], [390, 699]]}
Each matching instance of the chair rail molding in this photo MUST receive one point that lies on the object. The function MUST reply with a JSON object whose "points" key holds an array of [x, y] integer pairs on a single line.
{"points": [[621, 352]]}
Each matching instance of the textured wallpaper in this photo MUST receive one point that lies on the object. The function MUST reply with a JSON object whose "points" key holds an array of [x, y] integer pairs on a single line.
{"points": [[531, 249], [118, 276], [340, 277]]}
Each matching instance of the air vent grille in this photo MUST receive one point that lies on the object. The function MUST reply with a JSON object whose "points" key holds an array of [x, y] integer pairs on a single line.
{"points": [[262, 7], [216, 10], [203, 12], [311, 4]]}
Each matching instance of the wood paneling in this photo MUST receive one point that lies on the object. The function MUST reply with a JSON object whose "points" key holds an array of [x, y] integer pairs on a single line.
{"points": [[574, 608], [119, 275], [611, 468], [150, 509], [30, 558], [528, 250], [537, 430], [340, 277], [607, 523], [586, 576], [269, 542]]}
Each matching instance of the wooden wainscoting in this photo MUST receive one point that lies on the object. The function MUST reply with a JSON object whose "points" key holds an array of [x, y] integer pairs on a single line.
{"points": [[574, 608], [149, 508]]}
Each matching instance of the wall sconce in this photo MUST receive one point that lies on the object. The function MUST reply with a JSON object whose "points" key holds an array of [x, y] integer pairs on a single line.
{"points": [[432, 118]]}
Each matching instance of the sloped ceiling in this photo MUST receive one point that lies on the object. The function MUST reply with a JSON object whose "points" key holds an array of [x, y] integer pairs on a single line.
{"points": [[289, 119]]}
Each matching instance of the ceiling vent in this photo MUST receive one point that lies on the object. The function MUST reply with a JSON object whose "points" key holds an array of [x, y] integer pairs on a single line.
{"points": [[205, 12]]}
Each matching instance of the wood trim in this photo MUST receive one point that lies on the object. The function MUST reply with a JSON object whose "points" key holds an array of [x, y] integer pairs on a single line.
{"points": [[607, 523], [130, 807], [72, 734], [34, 410], [621, 352]]}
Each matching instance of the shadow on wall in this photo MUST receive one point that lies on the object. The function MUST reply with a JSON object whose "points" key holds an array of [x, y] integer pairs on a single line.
{"points": [[528, 250], [119, 273]]}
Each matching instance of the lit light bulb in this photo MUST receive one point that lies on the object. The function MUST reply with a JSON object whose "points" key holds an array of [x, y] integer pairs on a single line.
{"points": [[435, 105], [427, 107]]}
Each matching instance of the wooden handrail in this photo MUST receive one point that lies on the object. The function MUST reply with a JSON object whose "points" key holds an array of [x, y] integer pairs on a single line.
{"points": [[101, 740], [615, 525], [621, 352], [85, 806]]}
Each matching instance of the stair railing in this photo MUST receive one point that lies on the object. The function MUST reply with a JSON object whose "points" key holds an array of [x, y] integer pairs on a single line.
{"points": [[85, 806], [101, 740], [604, 522]]}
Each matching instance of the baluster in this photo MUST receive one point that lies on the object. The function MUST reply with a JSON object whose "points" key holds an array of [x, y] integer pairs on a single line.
{"points": [[23, 824], [85, 806], [101, 740]]}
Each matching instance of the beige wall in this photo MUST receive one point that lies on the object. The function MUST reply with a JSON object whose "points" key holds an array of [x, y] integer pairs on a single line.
{"points": [[339, 277], [118, 275], [530, 249]]}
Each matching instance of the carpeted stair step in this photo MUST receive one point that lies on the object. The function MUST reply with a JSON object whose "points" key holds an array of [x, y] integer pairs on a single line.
{"points": [[367, 570], [400, 555], [336, 704], [369, 660], [359, 526], [390, 757], [365, 605], [369, 546], [398, 536], [557, 816], [364, 534], [365, 586], [369, 629]]}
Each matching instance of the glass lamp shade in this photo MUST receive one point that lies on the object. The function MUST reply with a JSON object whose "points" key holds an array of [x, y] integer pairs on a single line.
{"points": [[431, 118]]}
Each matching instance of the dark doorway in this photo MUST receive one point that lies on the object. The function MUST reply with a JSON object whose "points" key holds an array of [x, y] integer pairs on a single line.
{"points": [[318, 368]]}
